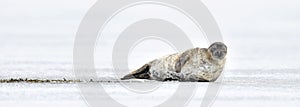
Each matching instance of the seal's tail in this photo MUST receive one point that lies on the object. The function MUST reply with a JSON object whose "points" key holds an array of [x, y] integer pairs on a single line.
{"points": [[141, 73]]}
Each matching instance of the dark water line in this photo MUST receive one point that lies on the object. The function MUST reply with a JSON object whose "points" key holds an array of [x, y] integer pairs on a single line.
{"points": [[66, 81]]}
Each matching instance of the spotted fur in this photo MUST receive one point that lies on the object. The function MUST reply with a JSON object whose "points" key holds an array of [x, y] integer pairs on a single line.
{"points": [[193, 65]]}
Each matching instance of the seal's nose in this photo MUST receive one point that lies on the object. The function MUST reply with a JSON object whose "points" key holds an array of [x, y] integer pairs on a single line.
{"points": [[218, 54]]}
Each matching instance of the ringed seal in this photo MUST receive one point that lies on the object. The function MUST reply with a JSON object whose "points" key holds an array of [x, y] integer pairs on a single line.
{"points": [[193, 65]]}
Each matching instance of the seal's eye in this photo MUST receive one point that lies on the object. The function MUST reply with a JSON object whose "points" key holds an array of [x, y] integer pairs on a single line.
{"points": [[213, 50]]}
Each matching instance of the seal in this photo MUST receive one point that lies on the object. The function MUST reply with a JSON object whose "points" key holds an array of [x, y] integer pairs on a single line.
{"points": [[193, 65]]}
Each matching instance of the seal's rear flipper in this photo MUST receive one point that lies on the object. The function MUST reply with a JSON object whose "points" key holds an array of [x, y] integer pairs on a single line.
{"points": [[142, 73]]}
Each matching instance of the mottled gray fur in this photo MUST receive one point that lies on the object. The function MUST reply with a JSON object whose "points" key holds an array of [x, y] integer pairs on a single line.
{"points": [[197, 64]]}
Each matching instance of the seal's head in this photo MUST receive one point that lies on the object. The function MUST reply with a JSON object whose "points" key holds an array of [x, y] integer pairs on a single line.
{"points": [[217, 50]]}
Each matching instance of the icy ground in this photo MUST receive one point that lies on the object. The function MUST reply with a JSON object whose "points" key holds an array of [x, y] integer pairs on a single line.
{"points": [[240, 88], [263, 62]]}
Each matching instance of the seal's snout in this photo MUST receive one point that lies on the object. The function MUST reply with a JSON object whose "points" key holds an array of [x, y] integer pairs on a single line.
{"points": [[219, 54], [218, 50]]}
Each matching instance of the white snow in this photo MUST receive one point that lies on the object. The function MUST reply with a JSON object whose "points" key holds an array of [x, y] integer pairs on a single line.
{"points": [[37, 37]]}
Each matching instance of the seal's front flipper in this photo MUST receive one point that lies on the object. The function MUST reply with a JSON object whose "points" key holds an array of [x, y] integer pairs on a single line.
{"points": [[142, 73]]}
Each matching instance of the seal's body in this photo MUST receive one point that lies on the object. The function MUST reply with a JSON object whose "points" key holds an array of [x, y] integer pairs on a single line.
{"points": [[198, 64]]}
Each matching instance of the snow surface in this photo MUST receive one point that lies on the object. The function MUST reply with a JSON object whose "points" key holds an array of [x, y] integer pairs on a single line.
{"points": [[37, 38]]}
